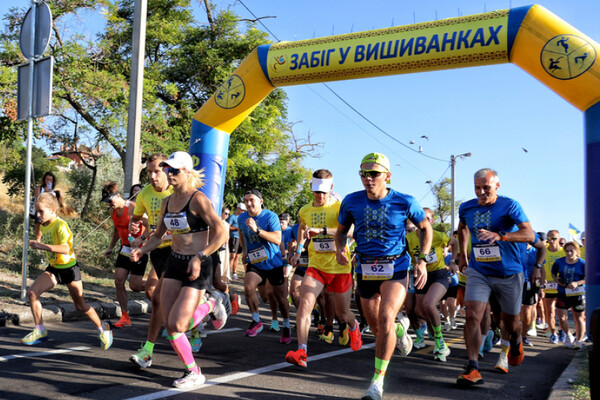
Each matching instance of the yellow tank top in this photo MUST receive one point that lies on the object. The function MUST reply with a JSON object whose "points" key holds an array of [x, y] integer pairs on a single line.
{"points": [[58, 232]]}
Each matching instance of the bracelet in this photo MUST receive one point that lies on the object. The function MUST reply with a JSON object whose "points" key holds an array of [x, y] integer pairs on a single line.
{"points": [[422, 256], [300, 248], [325, 230]]}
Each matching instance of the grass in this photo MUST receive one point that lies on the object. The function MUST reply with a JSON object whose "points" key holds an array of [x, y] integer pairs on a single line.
{"points": [[581, 384]]}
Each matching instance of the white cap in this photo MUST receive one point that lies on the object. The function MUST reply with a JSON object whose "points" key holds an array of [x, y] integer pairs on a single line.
{"points": [[179, 160], [241, 206], [322, 185]]}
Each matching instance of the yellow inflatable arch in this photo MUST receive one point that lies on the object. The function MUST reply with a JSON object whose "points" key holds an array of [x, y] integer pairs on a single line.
{"points": [[531, 37]]}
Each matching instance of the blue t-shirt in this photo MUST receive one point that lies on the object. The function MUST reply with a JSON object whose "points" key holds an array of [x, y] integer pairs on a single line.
{"points": [[500, 258], [233, 221], [567, 273], [261, 253], [286, 236], [529, 258], [380, 225]]}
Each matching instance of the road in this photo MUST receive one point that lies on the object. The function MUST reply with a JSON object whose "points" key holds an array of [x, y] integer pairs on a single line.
{"points": [[70, 365]]}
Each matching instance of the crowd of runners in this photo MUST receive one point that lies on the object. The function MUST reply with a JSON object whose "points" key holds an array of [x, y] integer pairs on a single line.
{"points": [[376, 246]]}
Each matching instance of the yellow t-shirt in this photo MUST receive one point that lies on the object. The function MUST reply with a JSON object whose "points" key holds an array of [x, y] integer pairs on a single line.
{"points": [[321, 250], [551, 257], [582, 252], [148, 202], [58, 232], [435, 258]]}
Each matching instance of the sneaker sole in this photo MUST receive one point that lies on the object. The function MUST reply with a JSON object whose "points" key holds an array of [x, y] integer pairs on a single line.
{"points": [[294, 362], [135, 362], [501, 370], [38, 341], [468, 383]]}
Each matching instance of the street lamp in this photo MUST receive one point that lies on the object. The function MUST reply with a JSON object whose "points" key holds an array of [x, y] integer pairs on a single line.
{"points": [[453, 189]]}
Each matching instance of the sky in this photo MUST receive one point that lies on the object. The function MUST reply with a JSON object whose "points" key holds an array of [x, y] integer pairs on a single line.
{"points": [[493, 112]]}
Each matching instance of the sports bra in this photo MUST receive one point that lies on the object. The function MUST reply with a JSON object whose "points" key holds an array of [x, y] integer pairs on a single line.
{"points": [[183, 221]]}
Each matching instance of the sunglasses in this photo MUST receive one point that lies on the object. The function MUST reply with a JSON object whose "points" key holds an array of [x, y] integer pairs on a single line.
{"points": [[226, 213], [369, 174], [552, 239], [172, 171]]}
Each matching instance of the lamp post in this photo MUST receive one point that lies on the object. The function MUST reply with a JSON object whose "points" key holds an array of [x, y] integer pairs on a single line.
{"points": [[453, 188]]}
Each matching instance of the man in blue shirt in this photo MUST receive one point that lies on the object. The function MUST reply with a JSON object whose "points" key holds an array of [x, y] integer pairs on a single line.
{"points": [[498, 229], [235, 246], [379, 216], [261, 236]]}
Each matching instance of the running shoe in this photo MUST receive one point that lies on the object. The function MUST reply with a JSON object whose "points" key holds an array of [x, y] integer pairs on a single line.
{"points": [[404, 344], [344, 337], [374, 392], [366, 330], [123, 322], [497, 336], [234, 276], [470, 377], [320, 330], [218, 315], [355, 337], [419, 343], [164, 333], [488, 344], [553, 339], [35, 337], [189, 379], [202, 329], [548, 332], [527, 342], [562, 336], [195, 339], [541, 325], [235, 304], [532, 332], [441, 352], [297, 357], [453, 324], [286, 336], [254, 329], [142, 358], [502, 363], [447, 327], [516, 355], [577, 345], [106, 336], [274, 326], [327, 337]]}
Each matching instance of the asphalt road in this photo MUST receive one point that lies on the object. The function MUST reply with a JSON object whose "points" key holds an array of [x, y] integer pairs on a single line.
{"points": [[70, 365]]}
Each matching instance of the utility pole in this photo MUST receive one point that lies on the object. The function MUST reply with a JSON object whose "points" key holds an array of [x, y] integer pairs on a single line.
{"points": [[133, 155], [453, 188]]}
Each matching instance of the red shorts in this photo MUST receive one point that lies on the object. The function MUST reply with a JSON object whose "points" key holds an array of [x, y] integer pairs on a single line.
{"points": [[335, 283]]}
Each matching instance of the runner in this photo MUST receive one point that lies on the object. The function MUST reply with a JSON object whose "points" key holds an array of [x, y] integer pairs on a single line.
{"points": [[494, 224], [261, 236], [189, 215], [148, 202], [124, 267], [569, 272], [379, 217], [437, 284], [553, 253], [235, 246], [57, 242], [319, 222], [300, 269]]}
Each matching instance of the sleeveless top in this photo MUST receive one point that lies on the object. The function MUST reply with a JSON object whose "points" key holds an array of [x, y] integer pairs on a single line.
{"points": [[183, 221], [122, 223]]}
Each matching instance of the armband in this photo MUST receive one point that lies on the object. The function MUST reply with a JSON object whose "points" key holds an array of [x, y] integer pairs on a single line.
{"points": [[300, 248]]}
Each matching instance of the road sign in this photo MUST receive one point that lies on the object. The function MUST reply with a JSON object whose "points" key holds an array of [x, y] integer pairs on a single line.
{"points": [[42, 89], [43, 29]]}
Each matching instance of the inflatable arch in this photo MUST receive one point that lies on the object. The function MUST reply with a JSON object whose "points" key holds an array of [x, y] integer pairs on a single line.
{"points": [[538, 41]]}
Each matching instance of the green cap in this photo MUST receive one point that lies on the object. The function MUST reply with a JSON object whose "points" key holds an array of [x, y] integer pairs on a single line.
{"points": [[376, 158]]}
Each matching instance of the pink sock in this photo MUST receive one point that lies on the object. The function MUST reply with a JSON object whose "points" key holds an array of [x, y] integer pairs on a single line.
{"points": [[182, 347], [201, 311]]}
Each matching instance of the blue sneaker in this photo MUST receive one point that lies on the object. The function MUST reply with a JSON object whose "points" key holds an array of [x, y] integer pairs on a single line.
{"points": [[488, 343], [562, 336], [553, 339]]}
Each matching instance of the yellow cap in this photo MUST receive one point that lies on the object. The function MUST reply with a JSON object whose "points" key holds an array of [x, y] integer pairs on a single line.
{"points": [[377, 158]]}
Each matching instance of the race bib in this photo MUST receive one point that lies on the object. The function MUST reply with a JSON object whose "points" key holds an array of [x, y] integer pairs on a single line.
{"points": [[177, 223], [303, 261], [551, 285], [578, 291], [126, 251], [257, 255], [431, 257], [324, 245], [487, 252], [380, 270]]}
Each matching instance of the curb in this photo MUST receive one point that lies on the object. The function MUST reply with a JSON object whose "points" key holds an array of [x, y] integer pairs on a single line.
{"points": [[563, 388], [63, 312]]}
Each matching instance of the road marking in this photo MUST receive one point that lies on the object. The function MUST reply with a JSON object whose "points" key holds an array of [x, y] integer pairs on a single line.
{"points": [[242, 375], [43, 353], [223, 331], [429, 349]]}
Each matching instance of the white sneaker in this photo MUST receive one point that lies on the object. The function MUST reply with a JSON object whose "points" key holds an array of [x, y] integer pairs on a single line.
{"points": [[532, 332], [447, 327], [189, 380], [502, 364], [541, 326], [569, 341], [234, 277], [440, 353], [404, 343], [218, 315], [453, 323], [374, 392]]}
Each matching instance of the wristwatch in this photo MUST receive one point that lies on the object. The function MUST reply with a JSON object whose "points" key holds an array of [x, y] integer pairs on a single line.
{"points": [[257, 230], [203, 257], [502, 236], [538, 266]]}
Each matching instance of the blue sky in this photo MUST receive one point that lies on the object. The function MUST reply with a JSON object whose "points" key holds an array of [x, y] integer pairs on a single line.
{"points": [[493, 112]]}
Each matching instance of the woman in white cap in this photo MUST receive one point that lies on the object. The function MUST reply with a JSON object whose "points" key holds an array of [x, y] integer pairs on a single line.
{"points": [[188, 215]]}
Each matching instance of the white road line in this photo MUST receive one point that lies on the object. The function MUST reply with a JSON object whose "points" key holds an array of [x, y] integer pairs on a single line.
{"points": [[43, 353], [242, 375], [223, 331]]}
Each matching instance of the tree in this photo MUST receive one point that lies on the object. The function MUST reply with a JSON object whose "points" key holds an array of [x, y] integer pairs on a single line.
{"points": [[14, 177], [442, 209], [185, 63]]}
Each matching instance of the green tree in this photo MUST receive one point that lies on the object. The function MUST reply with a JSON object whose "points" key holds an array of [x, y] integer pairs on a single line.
{"points": [[442, 208], [14, 177]]}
